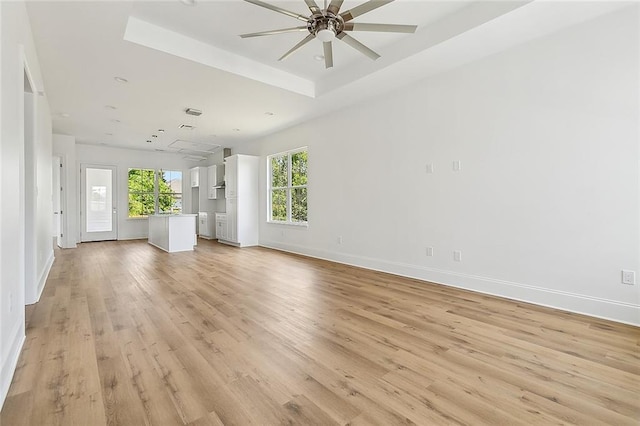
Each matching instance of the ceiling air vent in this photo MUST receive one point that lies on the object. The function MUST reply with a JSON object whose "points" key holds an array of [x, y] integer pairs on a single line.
{"points": [[194, 157], [193, 111]]}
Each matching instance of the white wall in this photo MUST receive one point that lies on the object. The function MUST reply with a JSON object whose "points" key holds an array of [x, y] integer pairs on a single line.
{"points": [[44, 197], [16, 48], [124, 159], [545, 208]]}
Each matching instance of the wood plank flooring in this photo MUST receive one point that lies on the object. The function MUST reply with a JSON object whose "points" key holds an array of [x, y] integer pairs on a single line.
{"points": [[126, 334]]}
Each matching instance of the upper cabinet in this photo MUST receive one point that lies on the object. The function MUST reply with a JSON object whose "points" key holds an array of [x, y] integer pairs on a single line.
{"points": [[231, 176], [215, 184], [195, 177]]}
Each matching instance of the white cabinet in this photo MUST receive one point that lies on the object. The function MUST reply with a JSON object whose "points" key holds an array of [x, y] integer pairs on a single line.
{"points": [[205, 225], [215, 177], [231, 176], [232, 220], [173, 232], [195, 177], [241, 191], [221, 226]]}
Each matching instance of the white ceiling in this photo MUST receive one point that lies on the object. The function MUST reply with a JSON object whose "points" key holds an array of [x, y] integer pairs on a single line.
{"points": [[177, 56]]}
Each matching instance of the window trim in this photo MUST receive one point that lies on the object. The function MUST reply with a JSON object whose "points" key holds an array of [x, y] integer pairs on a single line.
{"points": [[287, 188]]}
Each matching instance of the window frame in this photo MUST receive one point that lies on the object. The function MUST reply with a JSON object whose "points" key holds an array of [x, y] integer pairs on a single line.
{"points": [[288, 189], [158, 193], [155, 194]]}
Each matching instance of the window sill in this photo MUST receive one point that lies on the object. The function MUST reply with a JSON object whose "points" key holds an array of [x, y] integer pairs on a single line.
{"points": [[295, 224], [137, 218]]}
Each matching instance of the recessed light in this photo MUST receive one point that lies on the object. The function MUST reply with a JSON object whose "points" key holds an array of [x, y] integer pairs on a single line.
{"points": [[188, 2], [160, 130], [319, 57], [121, 79], [110, 107], [236, 130], [269, 113], [148, 141], [115, 120], [154, 136]]}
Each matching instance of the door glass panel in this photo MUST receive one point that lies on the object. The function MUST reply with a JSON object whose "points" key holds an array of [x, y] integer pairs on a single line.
{"points": [[99, 200]]}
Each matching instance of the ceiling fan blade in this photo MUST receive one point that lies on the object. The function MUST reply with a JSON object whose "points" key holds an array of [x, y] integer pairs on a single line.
{"points": [[278, 9], [334, 6], [282, 31], [386, 28], [357, 45], [362, 9], [313, 6], [328, 54], [306, 40]]}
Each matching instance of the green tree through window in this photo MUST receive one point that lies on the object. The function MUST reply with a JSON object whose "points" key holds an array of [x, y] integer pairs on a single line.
{"points": [[146, 192], [169, 191], [288, 186]]}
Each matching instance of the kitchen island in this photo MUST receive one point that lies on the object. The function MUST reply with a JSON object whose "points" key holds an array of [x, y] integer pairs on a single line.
{"points": [[173, 232]]}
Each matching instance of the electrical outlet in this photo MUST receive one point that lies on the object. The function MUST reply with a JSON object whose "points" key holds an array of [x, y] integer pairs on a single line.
{"points": [[429, 168], [340, 239], [457, 256], [429, 251], [457, 166], [628, 277]]}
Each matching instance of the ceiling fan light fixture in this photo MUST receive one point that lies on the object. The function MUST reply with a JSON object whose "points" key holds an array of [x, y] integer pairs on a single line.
{"points": [[326, 35]]}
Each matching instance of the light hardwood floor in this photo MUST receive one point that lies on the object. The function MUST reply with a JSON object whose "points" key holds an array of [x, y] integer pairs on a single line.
{"points": [[126, 334]]}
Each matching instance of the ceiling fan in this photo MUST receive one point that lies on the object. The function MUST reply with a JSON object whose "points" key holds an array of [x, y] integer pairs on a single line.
{"points": [[328, 24]]}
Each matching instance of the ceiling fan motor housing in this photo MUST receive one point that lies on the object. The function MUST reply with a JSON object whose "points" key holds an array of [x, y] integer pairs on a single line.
{"points": [[318, 22]]}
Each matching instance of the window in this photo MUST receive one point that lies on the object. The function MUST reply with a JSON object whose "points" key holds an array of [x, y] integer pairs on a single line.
{"points": [[151, 192], [288, 186], [169, 191], [141, 192]]}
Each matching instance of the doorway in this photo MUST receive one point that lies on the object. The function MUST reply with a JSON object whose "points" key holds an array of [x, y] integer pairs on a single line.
{"points": [[98, 201]]}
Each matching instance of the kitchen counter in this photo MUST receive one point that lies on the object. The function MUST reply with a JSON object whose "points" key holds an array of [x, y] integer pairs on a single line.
{"points": [[173, 232]]}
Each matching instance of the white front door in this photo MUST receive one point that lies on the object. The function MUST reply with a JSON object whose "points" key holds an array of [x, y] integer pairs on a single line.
{"points": [[98, 200]]}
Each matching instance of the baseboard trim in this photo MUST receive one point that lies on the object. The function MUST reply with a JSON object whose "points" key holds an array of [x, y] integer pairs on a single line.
{"points": [[42, 279], [9, 366], [626, 313]]}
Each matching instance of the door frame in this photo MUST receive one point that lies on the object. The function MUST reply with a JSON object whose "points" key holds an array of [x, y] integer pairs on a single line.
{"points": [[84, 235], [58, 196], [28, 184]]}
